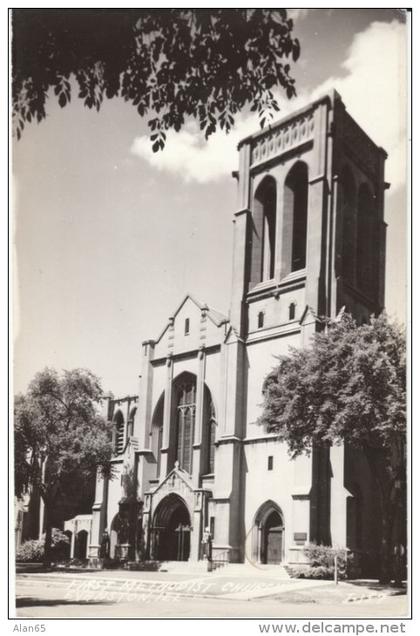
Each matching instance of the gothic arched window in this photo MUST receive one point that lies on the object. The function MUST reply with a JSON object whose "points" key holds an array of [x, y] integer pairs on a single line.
{"points": [[295, 217], [157, 433], [130, 423], [264, 231], [185, 418], [118, 433]]}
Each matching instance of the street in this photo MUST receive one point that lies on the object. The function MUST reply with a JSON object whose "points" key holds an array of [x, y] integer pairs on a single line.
{"points": [[216, 595]]}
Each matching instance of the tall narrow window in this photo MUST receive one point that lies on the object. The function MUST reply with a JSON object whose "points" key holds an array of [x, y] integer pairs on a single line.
{"points": [[119, 433], [212, 526], [159, 450], [211, 440], [260, 319], [295, 218], [187, 326], [185, 417], [157, 433], [264, 231], [348, 193], [292, 311], [365, 241], [130, 423]]}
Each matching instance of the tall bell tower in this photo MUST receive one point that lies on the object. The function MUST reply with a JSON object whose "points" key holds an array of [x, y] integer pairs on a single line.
{"points": [[309, 230], [309, 239]]}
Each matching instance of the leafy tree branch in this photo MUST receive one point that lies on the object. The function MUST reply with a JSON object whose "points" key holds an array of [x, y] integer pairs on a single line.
{"points": [[171, 65]]}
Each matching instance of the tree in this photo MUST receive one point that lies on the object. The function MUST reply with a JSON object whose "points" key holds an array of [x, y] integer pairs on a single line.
{"points": [[348, 387], [170, 64], [61, 441]]}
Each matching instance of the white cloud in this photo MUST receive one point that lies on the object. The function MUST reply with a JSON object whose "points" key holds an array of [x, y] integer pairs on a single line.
{"points": [[373, 89], [190, 157]]}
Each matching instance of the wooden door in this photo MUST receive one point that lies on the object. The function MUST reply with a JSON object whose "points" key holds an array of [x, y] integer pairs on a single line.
{"points": [[274, 544]]}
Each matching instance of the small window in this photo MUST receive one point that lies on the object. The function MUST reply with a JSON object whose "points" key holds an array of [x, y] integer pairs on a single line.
{"points": [[260, 319], [270, 463], [212, 526], [187, 326], [292, 311]]}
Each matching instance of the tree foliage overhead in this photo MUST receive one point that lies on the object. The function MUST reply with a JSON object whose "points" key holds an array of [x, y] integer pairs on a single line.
{"points": [[61, 441], [170, 64]]}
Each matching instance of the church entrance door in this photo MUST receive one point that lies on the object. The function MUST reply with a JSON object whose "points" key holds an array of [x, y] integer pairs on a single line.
{"points": [[171, 530], [272, 539]]}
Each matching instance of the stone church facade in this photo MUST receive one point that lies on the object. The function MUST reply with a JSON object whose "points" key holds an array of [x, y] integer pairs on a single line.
{"points": [[309, 239]]}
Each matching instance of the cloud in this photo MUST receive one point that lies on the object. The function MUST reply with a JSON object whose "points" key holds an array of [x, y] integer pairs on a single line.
{"points": [[190, 157], [372, 82], [374, 90]]}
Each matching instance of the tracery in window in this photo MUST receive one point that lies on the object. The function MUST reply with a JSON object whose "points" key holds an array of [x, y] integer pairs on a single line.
{"points": [[185, 419], [211, 439]]}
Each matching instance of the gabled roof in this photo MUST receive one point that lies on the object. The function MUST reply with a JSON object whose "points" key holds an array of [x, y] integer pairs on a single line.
{"points": [[215, 316], [179, 473]]}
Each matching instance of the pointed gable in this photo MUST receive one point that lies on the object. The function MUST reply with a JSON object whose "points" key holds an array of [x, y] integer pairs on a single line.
{"points": [[192, 325]]}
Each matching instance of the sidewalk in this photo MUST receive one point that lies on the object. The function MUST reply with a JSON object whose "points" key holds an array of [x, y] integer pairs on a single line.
{"points": [[242, 583]]}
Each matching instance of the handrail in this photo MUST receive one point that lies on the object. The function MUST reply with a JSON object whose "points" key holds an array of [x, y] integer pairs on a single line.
{"points": [[221, 560]]}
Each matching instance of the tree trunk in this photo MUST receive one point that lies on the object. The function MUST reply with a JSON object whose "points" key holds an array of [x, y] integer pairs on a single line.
{"points": [[48, 535]]}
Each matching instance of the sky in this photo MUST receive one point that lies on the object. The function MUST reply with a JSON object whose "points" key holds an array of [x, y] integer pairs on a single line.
{"points": [[109, 237]]}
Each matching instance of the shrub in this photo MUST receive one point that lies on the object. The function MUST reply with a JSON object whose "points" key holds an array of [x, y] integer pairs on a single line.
{"points": [[318, 572], [31, 551], [323, 555], [321, 563]]}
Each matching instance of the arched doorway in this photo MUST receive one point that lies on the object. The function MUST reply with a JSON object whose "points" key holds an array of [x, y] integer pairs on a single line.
{"points": [[272, 539], [81, 545], [67, 548], [268, 541], [171, 530]]}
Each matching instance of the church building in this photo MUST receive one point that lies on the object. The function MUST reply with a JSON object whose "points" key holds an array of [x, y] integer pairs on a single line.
{"points": [[190, 454]]}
